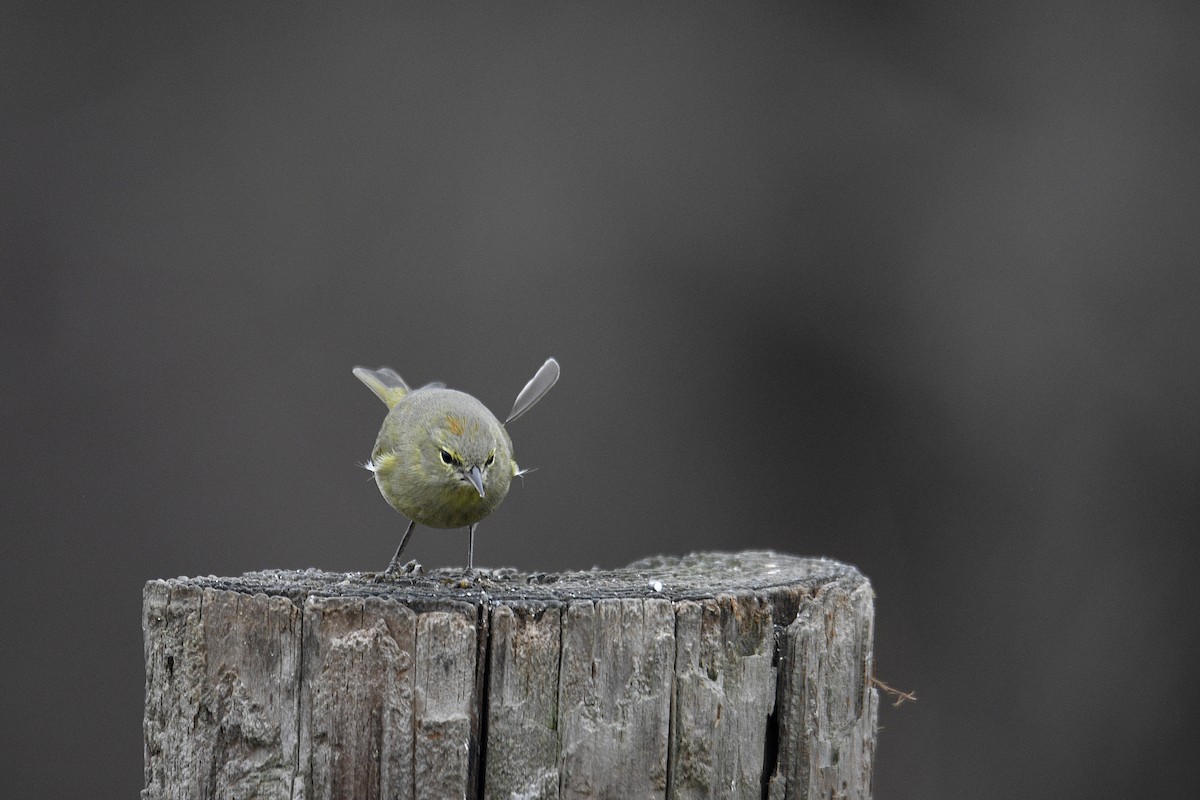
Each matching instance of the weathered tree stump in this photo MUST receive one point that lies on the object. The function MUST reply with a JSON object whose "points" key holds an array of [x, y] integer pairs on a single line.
{"points": [[710, 676]]}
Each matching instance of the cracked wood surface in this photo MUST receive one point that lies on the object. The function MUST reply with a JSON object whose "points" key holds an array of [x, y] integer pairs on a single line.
{"points": [[715, 675]]}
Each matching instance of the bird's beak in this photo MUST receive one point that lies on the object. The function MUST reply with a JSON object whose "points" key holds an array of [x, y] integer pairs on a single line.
{"points": [[476, 479]]}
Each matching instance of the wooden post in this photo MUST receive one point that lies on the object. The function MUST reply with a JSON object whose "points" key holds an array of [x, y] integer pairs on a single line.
{"points": [[715, 675]]}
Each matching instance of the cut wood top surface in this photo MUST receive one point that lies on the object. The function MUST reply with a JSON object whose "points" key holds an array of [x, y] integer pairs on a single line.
{"points": [[693, 577]]}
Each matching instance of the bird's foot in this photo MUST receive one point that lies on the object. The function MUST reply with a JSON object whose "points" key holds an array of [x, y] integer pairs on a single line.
{"points": [[397, 570], [470, 577]]}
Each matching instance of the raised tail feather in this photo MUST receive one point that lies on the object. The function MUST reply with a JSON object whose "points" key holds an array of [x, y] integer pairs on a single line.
{"points": [[384, 382]]}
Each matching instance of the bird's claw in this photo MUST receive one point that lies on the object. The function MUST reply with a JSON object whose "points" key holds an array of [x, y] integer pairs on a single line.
{"points": [[397, 570]]}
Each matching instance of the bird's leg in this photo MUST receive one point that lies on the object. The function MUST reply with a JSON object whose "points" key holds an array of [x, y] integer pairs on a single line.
{"points": [[471, 548], [395, 565]]}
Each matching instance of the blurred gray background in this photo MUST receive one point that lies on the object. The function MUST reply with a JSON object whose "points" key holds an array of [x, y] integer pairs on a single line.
{"points": [[910, 285]]}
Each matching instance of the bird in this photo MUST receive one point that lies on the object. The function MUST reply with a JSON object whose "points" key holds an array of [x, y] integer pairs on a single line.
{"points": [[441, 458]]}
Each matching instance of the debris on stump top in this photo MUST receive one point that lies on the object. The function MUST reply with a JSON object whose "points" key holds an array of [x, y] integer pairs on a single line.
{"points": [[697, 576]]}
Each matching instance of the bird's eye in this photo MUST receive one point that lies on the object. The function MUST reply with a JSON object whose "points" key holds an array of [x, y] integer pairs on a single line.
{"points": [[491, 458], [447, 458]]}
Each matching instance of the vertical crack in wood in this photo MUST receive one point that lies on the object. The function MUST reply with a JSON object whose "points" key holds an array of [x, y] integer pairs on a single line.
{"points": [[216, 759], [558, 705], [672, 720], [483, 669], [771, 739], [412, 712], [300, 686]]}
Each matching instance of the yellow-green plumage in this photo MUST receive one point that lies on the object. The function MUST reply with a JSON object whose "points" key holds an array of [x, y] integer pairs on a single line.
{"points": [[442, 458], [411, 469]]}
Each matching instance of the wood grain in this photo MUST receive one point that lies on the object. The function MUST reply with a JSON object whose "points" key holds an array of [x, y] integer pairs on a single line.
{"points": [[715, 675]]}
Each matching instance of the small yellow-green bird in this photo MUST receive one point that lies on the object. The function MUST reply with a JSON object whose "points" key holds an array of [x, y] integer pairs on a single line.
{"points": [[441, 458]]}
